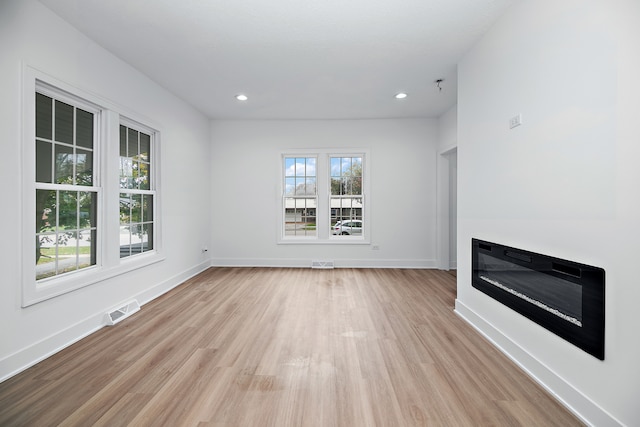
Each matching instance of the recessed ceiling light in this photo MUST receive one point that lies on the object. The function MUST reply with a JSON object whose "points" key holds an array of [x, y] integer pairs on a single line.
{"points": [[242, 97], [401, 95]]}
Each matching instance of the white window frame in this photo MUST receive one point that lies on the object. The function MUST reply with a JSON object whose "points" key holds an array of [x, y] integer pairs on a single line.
{"points": [[285, 196], [323, 210], [105, 158], [130, 124], [365, 179], [96, 188]]}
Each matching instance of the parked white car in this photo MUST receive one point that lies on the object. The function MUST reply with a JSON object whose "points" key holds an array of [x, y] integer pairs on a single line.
{"points": [[353, 226]]}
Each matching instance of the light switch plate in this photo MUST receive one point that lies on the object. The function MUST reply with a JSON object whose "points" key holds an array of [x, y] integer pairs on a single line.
{"points": [[515, 121]]}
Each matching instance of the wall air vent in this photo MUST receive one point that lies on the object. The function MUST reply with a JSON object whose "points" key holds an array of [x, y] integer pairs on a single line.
{"points": [[322, 264], [121, 313]]}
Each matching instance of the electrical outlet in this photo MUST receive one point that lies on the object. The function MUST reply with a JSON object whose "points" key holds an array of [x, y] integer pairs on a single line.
{"points": [[375, 247], [515, 121]]}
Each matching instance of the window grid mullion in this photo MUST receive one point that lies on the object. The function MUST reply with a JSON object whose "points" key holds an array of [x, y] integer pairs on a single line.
{"points": [[53, 140], [66, 187], [74, 152], [57, 252]]}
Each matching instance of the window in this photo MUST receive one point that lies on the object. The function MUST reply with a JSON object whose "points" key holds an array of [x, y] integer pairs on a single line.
{"points": [[346, 194], [136, 192], [323, 198], [300, 196], [90, 182], [66, 187]]}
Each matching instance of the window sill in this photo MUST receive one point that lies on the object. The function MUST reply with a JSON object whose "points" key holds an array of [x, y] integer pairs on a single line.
{"points": [[36, 292], [330, 241]]}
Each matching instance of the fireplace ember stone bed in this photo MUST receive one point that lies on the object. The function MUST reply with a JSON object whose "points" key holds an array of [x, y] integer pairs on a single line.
{"points": [[563, 296]]}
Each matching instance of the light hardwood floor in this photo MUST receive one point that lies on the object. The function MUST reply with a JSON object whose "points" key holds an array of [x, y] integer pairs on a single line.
{"points": [[286, 347]]}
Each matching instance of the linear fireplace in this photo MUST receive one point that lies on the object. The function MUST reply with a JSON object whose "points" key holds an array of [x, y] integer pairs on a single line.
{"points": [[565, 297]]}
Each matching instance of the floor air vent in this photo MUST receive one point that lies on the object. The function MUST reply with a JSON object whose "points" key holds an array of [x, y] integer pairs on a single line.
{"points": [[119, 314], [321, 264]]}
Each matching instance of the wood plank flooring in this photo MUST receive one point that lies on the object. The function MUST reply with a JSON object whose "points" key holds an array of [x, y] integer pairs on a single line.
{"points": [[286, 347]]}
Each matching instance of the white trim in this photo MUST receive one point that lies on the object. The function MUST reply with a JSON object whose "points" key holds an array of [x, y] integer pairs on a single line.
{"points": [[334, 240], [30, 74], [338, 263], [323, 196], [443, 214], [283, 196], [39, 351], [86, 277], [154, 164], [109, 117], [576, 402]]}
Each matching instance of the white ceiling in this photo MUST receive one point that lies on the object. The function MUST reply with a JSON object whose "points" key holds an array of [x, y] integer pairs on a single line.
{"points": [[294, 59]]}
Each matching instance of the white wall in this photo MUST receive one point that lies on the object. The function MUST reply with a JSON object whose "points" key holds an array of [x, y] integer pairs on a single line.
{"points": [[447, 189], [453, 209], [448, 130], [246, 171], [31, 35], [565, 183]]}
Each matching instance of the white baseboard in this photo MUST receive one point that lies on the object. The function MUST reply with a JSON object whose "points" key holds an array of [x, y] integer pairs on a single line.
{"points": [[338, 263], [37, 352], [161, 288], [579, 404]]}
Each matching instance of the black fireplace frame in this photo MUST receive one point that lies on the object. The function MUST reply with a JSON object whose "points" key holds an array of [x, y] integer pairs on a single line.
{"points": [[590, 336]]}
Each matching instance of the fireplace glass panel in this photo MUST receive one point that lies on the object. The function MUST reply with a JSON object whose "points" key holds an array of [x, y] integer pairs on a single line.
{"points": [[555, 295]]}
